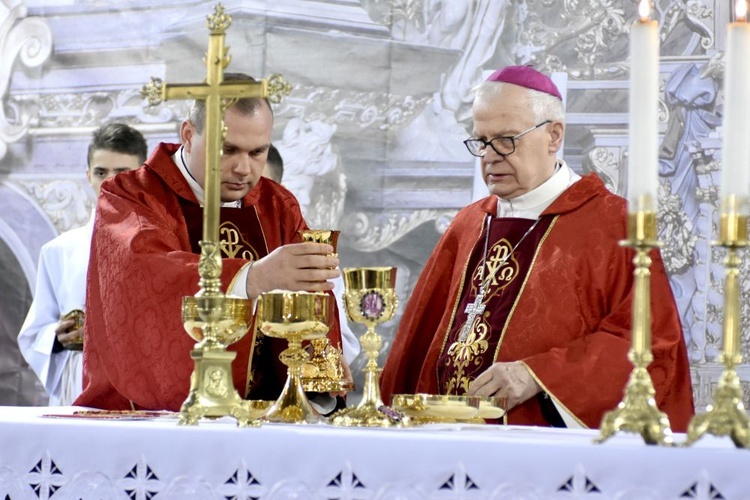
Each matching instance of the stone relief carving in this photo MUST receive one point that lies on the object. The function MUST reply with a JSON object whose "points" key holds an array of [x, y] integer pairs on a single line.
{"points": [[66, 202], [29, 40], [312, 171], [350, 109], [370, 232], [588, 38], [62, 110], [606, 161]]}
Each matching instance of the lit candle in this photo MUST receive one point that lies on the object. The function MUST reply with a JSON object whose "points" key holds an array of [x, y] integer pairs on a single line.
{"points": [[643, 172], [735, 171]]}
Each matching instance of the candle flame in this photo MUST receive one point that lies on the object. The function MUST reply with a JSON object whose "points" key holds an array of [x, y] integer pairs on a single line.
{"points": [[740, 10], [644, 9]]}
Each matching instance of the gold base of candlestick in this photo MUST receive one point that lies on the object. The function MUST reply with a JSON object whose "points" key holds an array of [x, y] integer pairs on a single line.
{"points": [[212, 393], [727, 416], [637, 412]]}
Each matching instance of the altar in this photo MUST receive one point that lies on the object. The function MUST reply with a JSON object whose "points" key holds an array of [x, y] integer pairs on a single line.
{"points": [[45, 457]]}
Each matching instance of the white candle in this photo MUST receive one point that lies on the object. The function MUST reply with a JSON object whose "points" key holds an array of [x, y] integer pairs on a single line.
{"points": [[735, 170], [643, 165]]}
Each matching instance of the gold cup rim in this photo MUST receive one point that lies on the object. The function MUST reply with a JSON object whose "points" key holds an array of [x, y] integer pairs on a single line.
{"points": [[437, 406]]}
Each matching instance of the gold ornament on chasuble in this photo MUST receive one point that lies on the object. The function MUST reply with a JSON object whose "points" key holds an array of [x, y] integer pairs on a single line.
{"points": [[483, 307], [501, 269], [233, 244]]}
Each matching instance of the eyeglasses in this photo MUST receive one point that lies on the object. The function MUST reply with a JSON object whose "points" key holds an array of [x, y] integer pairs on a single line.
{"points": [[503, 146]]}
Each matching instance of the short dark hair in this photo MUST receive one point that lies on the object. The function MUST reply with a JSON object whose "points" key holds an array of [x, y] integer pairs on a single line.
{"points": [[246, 105], [275, 163], [119, 138]]}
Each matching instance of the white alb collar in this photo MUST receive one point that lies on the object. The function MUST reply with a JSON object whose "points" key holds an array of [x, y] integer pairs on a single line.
{"points": [[531, 205]]}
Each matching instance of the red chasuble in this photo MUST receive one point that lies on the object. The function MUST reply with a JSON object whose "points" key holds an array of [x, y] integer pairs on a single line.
{"points": [[569, 322], [137, 353]]}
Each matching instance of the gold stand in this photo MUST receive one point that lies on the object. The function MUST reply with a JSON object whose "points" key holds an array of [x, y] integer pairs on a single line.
{"points": [[370, 299], [212, 390], [294, 316], [637, 412], [727, 416]]}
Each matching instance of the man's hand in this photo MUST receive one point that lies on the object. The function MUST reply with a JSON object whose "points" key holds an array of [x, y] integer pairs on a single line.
{"points": [[506, 379], [70, 339], [296, 267]]}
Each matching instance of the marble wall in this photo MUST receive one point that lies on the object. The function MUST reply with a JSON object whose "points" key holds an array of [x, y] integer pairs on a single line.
{"points": [[371, 134]]}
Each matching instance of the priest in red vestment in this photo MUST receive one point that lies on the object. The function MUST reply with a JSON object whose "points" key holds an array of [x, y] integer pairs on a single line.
{"points": [[528, 294], [144, 260]]}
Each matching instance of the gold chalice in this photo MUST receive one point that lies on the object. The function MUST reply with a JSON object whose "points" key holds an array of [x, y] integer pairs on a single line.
{"points": [[77, 316], [370, 299], [323, 372], [212, 392], [294, 316]]}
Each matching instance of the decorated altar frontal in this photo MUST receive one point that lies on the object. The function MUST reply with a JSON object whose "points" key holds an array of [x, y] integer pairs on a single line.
{"points": [[59, 458]]}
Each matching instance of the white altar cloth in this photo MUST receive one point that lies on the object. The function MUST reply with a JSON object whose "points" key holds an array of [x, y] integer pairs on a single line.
{"points": [[55, 458]]}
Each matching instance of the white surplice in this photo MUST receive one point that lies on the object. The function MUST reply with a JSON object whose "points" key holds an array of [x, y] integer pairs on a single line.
{"points": [[60, 288]]}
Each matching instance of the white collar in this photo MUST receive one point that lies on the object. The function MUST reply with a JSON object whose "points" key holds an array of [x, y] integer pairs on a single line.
{"points": [[179, 160], [531, 205]]}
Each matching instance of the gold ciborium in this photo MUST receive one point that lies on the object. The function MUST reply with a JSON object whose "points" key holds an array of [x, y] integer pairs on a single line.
{"points": [[294, 316], [370, 299], [323, 372], [212, 392]]}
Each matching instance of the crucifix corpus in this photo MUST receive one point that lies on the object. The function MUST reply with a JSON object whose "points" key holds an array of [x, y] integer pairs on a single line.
{"points": [[212, 392]]}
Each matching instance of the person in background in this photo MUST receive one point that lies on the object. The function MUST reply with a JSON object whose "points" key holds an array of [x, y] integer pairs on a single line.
{"points": [[50, 341]]}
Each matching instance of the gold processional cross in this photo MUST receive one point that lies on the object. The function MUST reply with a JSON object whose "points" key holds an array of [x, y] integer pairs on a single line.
{"points": [[216, 397], [218, 96]]}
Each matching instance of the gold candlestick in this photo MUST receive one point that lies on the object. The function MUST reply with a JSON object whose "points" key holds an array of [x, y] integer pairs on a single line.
{"points": [[370, 299], [212, 361], [727, 416], [637, 412]]}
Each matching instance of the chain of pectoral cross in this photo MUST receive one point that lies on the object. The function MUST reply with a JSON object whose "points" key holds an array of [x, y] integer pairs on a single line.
{"points": [[477, 307]]}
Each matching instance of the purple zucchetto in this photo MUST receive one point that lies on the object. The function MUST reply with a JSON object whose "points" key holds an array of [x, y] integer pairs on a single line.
{"points": [[527, 77]]}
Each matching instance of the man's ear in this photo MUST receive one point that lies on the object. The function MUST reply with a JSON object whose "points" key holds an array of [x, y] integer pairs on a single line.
{"points": [[556, 133], [187, 134]]}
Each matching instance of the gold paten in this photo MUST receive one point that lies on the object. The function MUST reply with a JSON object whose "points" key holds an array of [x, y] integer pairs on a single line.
{"points": [[433, 408], [294, 316], [370, 299], [212, 391], [490, 407], [637, 412], [323, 372], [727, 416]]}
